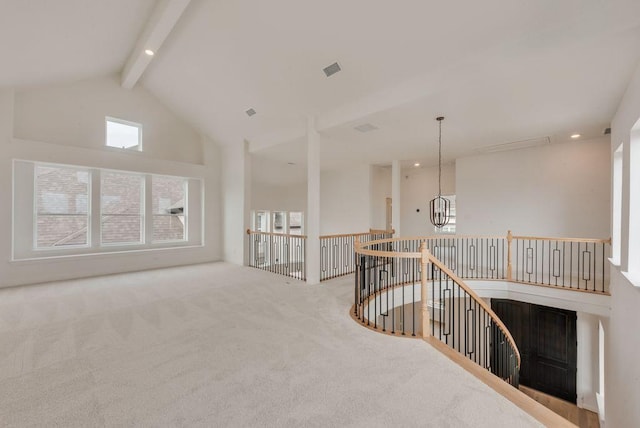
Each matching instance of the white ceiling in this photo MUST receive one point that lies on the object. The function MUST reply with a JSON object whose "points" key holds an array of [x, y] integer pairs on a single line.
{"points": [[44, 41], [499, 70]]}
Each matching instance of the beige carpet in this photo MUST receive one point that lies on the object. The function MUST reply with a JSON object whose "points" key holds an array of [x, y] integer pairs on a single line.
{"points": [[221, 345]]}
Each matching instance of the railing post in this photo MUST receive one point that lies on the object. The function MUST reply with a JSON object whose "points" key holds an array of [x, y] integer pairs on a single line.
{"points": [[357, 275], [509, 272], [424, 262]]}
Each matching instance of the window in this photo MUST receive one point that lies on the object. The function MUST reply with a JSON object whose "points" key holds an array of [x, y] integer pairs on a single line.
{"points": [[123, 134], [449, 228], [617, 205], [61, 210], [295, 223], [261, 221], [122, 204], [61, 207], [169, 196], [633, 257], [280, 222]]}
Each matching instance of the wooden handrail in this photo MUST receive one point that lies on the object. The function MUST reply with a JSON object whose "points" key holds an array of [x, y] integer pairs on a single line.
{"points": [[255, 232], [582, 240]]}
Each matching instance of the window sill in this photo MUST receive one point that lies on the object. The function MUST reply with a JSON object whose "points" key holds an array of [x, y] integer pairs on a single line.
{"points": [[614, 262], [101, 254], [633, 278]]}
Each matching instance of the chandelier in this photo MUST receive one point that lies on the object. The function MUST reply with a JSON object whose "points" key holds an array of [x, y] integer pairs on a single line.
{"points": [[439, 212]]}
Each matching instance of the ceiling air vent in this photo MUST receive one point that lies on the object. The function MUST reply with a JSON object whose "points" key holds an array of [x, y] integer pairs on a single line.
{"points": [[365, 127], [250, 112], [607, 131], [515, 145], [331, 69]]}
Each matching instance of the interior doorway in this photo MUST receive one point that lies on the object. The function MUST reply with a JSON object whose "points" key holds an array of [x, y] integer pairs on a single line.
{"points": [[547, 340]]}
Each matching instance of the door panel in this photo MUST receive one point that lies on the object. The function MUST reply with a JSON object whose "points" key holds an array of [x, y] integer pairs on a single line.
{"points": [[546, 338]]}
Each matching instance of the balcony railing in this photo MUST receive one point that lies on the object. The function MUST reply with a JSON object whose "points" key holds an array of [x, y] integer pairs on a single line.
{"points": [[413, 293], [286, 254], [278, 253], [337, 252], [570, 263]]}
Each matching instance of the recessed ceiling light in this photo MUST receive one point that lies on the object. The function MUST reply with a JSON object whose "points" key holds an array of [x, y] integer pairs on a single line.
{"points": [[331, 69], [574, 136], [250, 112], [417, 164], [149, 52], [365, 127]]}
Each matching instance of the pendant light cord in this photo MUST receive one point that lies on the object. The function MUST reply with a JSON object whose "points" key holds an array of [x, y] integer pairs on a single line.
{"points": [[440, 119]]}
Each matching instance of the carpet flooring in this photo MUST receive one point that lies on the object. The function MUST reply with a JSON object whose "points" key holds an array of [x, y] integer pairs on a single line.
{"points": [[225, 346]]}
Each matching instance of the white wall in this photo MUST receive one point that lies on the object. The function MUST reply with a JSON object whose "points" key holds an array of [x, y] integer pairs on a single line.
{"points": [[380, 191], [61, 139], [587, 379], [419, 186], [270, 197], [622, 343], [236, 201], [553, 190], [345, 200], [74, 115]]}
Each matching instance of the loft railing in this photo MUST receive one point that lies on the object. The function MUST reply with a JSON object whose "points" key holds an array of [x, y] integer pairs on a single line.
{"points": [[572, 263], [411, 292], [577, 264], [278, 253], [336, 252], [285, 254]]}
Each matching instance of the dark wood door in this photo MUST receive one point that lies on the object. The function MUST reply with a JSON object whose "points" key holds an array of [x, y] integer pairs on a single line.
{"points": [[546, 338]]}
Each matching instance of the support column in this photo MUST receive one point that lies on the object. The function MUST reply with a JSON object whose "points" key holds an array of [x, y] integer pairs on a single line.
{"points": [[313, 203], [236, 185], [396, 181]]}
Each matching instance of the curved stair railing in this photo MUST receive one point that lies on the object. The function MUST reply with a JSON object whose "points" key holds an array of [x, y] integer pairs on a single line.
{"points": [[407, 291]]}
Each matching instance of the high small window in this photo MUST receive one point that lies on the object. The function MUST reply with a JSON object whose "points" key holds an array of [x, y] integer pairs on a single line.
{"points": [[169, 196], [123, 134], [62, 207], [122, 203]]}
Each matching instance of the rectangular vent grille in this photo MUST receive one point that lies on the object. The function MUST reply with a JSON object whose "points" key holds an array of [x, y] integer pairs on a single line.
{"points": [[331, 69], [515, 145]]}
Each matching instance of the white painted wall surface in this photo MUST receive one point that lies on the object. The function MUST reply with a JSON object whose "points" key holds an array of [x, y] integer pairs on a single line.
{"points": [[345, 200], [553, 190], [419, 186], [380, 191], [74, 115], [236, 201], [58, 268], [622, 343], [587, 329], [265, 196]]}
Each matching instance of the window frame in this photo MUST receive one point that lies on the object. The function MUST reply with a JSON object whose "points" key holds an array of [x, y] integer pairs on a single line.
{"points": [[143, 192], [34, 244], [185, 209], [137, 125]]}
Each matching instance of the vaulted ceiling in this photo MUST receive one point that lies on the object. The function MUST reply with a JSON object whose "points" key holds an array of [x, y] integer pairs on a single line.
{"points": [[501, 71]]}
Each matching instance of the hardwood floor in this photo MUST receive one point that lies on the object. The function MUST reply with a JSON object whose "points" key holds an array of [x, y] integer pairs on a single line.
{"points": [[581, 417]]}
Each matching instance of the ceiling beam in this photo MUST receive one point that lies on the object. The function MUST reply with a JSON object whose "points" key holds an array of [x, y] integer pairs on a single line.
{"points": [[163, 19]]}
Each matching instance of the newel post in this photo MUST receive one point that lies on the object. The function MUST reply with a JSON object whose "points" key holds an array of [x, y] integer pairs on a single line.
{"points": [[509, 240], [424, 263], [357, 275]]}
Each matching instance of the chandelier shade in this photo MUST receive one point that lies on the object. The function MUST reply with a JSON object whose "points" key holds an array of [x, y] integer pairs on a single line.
{"points": [[439, 207]]}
